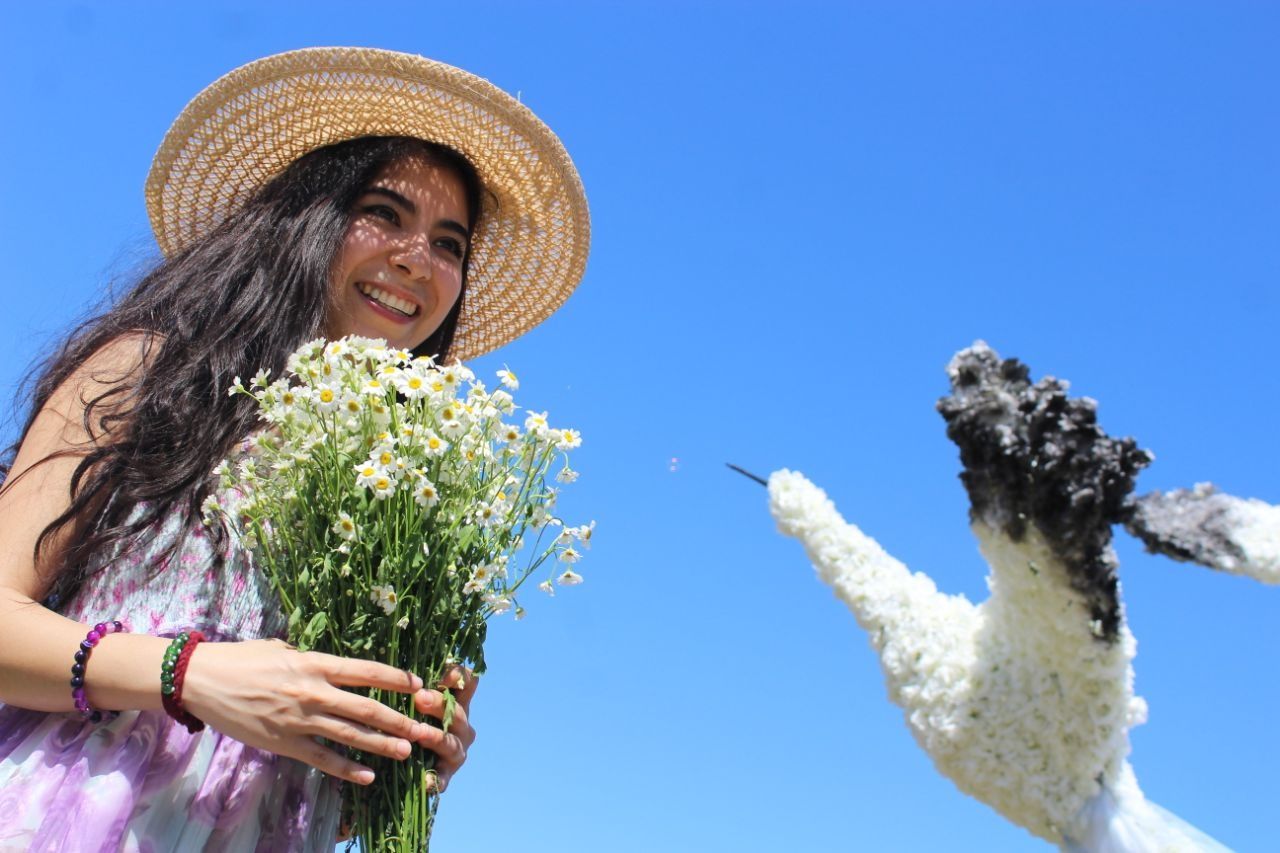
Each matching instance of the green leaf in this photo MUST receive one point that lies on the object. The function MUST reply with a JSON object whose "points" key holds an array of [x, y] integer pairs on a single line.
{"points": [[295, 620], [313, 629]]}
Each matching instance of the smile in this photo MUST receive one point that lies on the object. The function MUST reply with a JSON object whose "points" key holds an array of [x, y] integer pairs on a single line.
{"points": [[402, 307]]}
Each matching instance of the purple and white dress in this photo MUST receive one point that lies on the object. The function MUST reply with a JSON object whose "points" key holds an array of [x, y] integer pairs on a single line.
{"points": [[142, 782]]}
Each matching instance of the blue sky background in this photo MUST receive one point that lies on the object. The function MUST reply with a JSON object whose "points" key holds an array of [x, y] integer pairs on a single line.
{"points": [[800, 213]]}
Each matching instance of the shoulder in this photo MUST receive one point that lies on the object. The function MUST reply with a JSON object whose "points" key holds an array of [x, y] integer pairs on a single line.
{"points": [[122, 358], [102, 382]]}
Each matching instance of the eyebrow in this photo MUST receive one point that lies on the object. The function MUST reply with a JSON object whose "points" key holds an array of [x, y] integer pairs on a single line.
{"points": [[412, 208]]}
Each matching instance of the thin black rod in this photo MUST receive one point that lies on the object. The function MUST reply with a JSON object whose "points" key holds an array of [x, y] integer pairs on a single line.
{"points": [[761, 480]]}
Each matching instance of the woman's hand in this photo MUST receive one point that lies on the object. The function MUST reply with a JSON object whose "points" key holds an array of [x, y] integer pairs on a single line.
{"points": [[268, 695], [450, 748]]}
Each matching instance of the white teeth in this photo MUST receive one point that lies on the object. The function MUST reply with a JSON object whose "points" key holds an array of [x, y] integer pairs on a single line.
{"points": [[380, 296]]}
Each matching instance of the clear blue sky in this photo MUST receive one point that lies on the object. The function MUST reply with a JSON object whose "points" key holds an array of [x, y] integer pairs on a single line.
{"points": [[800, 213]]}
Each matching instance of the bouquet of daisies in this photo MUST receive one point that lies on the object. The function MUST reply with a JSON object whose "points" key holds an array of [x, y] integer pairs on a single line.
{"points": [[396, 505]]}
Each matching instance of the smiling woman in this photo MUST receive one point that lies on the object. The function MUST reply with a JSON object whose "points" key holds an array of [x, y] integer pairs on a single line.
{"points": [[325, 191]]}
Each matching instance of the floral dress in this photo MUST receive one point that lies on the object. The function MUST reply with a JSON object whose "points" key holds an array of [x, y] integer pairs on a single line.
{"points": [[142, 782]]}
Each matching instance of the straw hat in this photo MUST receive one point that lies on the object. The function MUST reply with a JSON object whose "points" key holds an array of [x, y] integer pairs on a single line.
{"points": [[530, 247]]}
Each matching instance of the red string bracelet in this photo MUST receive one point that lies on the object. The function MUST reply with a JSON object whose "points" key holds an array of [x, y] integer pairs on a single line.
{"points": [[172, 674]]}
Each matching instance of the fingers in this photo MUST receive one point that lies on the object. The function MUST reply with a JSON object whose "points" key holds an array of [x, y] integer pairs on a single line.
{"points": [[447, 746], [353, 672], [463, 682], [431, 703], [372, 714], [309, 751], [362, 738]]}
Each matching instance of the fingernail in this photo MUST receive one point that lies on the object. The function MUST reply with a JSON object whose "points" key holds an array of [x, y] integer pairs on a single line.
{"points": [[415, 681], [364, 777]]}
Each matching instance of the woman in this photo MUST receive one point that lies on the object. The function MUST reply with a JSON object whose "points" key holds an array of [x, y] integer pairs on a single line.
{"points": [[317, 192]]}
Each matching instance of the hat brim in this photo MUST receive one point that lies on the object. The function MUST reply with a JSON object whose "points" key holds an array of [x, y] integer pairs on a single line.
{"points": [[529, 249]]}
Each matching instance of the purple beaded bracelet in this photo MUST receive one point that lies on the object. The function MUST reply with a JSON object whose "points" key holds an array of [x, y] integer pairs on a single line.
{"points": [[91, 639]]}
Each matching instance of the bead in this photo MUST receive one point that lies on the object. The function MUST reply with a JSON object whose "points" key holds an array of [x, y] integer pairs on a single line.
{"points": [[82, 655], [166, 689]]}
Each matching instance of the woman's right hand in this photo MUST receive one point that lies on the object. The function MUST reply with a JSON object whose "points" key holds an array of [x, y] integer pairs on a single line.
{"points": [[266, 694]]}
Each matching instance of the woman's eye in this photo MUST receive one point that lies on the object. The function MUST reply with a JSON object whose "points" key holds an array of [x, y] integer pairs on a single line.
{"points": [[454, 246], [383, 212]]}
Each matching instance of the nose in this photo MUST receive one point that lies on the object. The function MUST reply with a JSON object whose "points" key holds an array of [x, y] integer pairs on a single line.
{"points": [[412, 257]]}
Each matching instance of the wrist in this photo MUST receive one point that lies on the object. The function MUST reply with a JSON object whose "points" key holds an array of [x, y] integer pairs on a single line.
{"points": [[173, 673], [124, 674]]}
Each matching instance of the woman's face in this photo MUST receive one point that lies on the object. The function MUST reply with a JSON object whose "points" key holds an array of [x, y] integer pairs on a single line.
{"points": [[399, 269]]}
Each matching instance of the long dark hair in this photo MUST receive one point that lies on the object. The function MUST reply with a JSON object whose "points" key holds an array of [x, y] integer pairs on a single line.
{"points": [[239, 300]]}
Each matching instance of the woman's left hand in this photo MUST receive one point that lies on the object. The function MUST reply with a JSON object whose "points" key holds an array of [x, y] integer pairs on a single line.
{"points": [[450, 747]]}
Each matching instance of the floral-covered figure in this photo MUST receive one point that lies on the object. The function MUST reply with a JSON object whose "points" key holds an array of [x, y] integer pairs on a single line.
{"points": [[1025, 700]]}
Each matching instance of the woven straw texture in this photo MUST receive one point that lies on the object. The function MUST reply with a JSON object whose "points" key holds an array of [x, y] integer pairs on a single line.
{"points": [[530, 246]]}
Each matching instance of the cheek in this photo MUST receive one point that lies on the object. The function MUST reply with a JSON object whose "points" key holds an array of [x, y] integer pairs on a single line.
{"points": [[450, 285]]}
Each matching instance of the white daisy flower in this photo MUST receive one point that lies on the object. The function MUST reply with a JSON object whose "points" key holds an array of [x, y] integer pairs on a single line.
{"points": [[569, 578], [326, 398], [367, 474], [536, 422], [569, 439], [489, 514], [502, 401], [426, 496], [346, 527], [385, 597], [351, 404], [383, 487], [434, 445], [412, 384], [509, 379]]}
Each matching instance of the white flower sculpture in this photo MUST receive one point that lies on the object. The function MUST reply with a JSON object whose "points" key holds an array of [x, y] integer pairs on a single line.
{"points": [[1025, 700]]}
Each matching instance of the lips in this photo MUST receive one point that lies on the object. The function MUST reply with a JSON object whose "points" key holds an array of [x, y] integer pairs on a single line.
{"points": [[388, 303]]}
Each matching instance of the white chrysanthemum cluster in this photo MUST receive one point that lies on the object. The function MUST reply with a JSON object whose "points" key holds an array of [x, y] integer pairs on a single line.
{"points": [[1015, 699], [401, 464]]}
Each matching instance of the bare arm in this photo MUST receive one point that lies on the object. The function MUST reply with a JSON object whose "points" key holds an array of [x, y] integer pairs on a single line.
{"points": [[36, 645]]}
